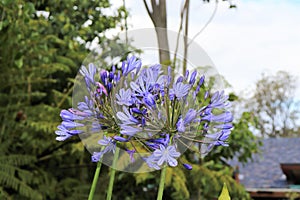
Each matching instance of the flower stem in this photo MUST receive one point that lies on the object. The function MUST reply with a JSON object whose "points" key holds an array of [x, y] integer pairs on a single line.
{"points": [[162, 183], [112, 174], [95, 180]]}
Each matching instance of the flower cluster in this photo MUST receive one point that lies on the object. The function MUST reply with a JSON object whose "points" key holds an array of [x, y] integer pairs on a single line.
{"points": [[148, 111]]}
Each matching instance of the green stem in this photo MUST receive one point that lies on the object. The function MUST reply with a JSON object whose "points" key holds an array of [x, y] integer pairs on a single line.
{"points": [[162, 183], [95, 180], [112, 174]]}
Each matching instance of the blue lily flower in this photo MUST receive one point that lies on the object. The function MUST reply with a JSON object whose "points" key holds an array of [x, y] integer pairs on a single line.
{"points": [[124, 97], [166, 155], [64, 133], [89, 74]]}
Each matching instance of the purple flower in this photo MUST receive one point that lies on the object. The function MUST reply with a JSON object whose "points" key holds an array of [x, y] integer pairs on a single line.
{"points": [[219, 137], [152, 162], [101, 89], [138, 111], [150, 75], [180, 90], [152, 145], [88, 74], [63, 133], [66, 115], [111, 75], [223, 118], [120, 139], [224, 126], [109, 87], [149, 100], [135, 87], [167, 155], [87, 106], [180, 125], [142, 91], [189, 117], [79, 113], [124, 97], [97, 156], [96, 127], [143, 121], [117, 77], [131, 154], [151, 107], [71, 124], [179, 79], [109, 146], [193, 77], [163, 141], [109, 79], [129, 130], [132, 64], [219, 100], [169, 77], [187, 166], [109, 143], [103, 76], [105, 141], [206, 94], [126, 117], [201, 81], [186, 74]]}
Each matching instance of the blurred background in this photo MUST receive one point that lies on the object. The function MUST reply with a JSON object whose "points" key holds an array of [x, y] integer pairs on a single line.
{"points": [[253, 44]]}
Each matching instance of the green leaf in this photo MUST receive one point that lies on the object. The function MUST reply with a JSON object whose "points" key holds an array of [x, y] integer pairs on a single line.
{"points": [[19, 63], [224, 194]]}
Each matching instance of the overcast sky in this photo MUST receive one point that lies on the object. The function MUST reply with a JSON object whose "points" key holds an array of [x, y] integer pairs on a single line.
{"points": [[260, 36]]}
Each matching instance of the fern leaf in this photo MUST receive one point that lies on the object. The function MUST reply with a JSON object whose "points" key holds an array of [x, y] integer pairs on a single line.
{"points": [[19, 186], [18, 160]]}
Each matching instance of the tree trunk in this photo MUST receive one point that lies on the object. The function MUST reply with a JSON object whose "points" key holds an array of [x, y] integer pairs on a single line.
{"points": [[158, 16], [163, 44]]}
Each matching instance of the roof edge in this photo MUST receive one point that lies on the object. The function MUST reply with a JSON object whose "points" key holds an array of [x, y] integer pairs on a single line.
{"points": [[272, 190]]}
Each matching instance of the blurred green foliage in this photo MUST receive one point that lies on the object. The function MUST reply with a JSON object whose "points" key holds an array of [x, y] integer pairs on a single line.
{"points": [[275, 105], [43, 44]]}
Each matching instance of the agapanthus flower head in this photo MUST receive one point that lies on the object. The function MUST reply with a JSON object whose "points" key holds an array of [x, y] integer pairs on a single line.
{"points": [[152, 115]]}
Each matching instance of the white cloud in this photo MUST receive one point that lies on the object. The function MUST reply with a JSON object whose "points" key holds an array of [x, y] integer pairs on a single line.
{"points": [[258, 36]]}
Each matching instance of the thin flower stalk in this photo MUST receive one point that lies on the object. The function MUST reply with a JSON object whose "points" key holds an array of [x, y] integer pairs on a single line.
{"points": [[112, 175], [95, 181], [161, 183]]}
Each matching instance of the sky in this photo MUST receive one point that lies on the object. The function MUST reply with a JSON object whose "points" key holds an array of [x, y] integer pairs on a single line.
{"points": [[259, 36]]}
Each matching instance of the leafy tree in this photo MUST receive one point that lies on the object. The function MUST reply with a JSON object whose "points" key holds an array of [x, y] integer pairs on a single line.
{"points": [[204, 181], [43, 43], [242, 142], [273, 103]]}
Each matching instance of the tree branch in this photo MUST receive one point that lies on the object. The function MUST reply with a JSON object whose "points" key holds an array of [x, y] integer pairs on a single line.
{"points": [[148, 11], [207, 23], [186, 32], [178, 34]]}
